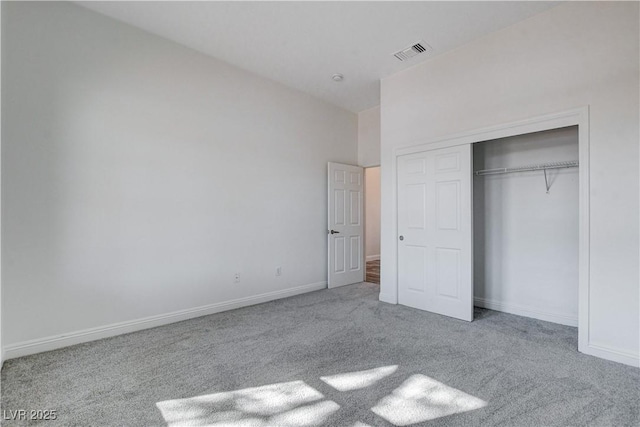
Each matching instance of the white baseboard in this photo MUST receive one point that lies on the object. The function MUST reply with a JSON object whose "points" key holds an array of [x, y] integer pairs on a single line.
{"points": [[389, 299], [372, 257], [521, 310], [58, 341], [615, 355]]}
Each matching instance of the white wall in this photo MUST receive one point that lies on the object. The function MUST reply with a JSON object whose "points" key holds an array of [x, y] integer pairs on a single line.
{"points": [[369, 137], [372, 213], [577, 54], [525, 240], [138, 176]]}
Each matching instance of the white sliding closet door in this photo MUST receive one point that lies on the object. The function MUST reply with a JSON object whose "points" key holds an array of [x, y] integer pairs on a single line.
{"points": [[435, 258]]}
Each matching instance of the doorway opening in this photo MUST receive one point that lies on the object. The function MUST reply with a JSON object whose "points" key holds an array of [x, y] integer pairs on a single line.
{"points": [[372, 224], [525, 225]]}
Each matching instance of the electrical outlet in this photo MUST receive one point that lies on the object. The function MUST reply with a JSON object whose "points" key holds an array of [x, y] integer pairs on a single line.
{"points": [[236, 278], [278, 271]]}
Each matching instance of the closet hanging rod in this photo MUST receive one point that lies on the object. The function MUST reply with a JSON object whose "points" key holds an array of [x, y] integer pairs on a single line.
{"points": [[542, 166]]}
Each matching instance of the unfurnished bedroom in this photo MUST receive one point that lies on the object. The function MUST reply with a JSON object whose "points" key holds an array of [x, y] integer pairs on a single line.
{"points": [[348, 214]]}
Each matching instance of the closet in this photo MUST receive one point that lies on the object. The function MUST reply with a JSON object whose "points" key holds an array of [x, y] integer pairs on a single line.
{"points": [[525, 220], [492, 224]]}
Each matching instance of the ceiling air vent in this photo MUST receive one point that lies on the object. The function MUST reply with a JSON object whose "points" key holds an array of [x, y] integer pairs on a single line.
{"points": [[411, 51]]}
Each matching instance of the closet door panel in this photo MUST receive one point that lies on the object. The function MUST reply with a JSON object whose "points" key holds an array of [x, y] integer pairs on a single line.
{"points": [[437, 220], [413, 256]]}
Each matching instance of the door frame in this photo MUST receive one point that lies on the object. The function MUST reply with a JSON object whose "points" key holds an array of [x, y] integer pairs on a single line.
{"points": [[574, 117], [364, 254]]}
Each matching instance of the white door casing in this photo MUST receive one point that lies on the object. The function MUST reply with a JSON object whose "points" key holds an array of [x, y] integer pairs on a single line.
{"points": [[346, 225], [435, 227]]}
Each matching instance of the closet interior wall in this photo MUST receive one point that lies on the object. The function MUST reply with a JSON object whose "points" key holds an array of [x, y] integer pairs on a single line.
{"points": [[525, 239]]}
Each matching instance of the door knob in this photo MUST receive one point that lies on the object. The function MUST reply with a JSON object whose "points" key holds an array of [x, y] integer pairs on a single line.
{"points": [[334, 232], [401, 237]]}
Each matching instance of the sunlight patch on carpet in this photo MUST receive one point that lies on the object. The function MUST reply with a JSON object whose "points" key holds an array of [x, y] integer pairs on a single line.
{"points": [[421, 398], [360, 379], [284, 404]]}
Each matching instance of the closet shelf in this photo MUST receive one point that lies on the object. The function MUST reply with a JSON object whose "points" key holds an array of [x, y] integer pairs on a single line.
{"points": [[538, 167]]}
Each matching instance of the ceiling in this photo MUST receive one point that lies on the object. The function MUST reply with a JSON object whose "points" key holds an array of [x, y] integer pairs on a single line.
{"points": [[302, 44]]}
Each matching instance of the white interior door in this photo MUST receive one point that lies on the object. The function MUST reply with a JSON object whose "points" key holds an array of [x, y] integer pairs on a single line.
{"points": [[435, 258], [346, 257]]}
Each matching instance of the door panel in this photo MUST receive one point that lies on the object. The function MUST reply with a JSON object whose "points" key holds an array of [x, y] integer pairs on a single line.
{"points": [[346, 220], [416, 206], [447, 272], [447, 205], [339, 254], [415, 271], [355, 199], [435, 263], [355, 245], [339, 206]]}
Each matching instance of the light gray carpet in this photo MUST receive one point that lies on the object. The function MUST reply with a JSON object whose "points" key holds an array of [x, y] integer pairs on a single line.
{"points": [[285, 363]]}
